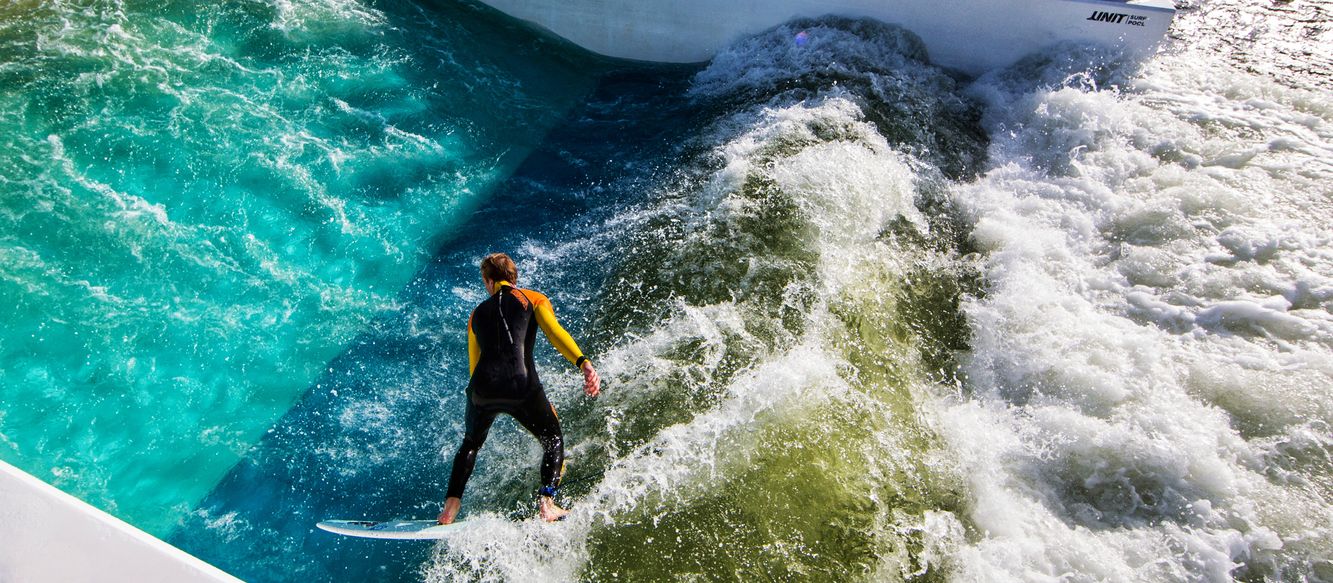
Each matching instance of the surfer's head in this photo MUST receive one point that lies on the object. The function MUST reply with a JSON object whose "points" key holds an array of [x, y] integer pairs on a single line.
{"points": [[498, 267]]}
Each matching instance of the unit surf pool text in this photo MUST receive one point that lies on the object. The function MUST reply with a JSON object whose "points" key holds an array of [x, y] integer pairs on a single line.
{"points": [[1118, 18]]}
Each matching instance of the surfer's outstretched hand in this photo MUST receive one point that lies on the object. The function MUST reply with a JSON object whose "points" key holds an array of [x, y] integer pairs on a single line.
{"points": [[592, 384], [451, 507]]}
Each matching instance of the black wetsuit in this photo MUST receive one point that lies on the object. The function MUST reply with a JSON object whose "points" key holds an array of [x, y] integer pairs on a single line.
{"points": [[502, 332]]}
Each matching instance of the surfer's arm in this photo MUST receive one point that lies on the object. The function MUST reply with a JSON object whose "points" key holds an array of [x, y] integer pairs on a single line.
{"points": [[473, 349], [556, 333], [592, 383]]}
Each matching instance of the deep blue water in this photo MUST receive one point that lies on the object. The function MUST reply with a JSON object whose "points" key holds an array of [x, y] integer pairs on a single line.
{"points": [[374, 437]]}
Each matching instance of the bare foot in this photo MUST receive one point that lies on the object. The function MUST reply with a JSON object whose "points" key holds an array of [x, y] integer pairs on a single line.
{"points": [[549, 511], [451, 508]]}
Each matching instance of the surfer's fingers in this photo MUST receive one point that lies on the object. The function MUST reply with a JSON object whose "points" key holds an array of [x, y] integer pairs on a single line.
{"points": [[592, 382]]}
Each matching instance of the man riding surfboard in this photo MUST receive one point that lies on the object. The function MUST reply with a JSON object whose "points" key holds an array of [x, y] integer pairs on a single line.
{"points": [[501, 333]]}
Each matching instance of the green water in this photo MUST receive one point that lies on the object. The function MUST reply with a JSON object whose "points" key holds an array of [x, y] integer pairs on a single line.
{"points": [[783, 315], [835, 477], [200, 207]]}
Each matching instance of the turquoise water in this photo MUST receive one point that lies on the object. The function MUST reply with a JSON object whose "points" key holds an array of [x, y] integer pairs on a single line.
{"points": [[858, 318], [200, 208]]}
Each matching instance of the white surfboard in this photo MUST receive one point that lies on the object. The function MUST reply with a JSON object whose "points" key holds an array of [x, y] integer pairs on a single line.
{"points": [[391, 529]]}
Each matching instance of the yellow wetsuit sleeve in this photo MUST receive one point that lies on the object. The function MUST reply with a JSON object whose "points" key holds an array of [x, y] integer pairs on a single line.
{"points": [[473, 349], [555, 332]]}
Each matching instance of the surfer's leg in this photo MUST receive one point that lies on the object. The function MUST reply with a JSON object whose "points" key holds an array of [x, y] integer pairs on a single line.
{"points": [[539, 418], [537, 415], [477, 423]]}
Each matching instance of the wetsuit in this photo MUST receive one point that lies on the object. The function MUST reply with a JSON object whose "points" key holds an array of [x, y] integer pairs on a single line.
{"points": [[500, 336]]}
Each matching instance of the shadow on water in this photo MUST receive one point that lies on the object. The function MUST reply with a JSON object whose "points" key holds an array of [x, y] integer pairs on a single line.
{"points": [[374, 437]]}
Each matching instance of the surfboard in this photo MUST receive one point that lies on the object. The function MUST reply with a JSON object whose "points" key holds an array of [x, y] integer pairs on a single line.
{"points": [[391, 529]]}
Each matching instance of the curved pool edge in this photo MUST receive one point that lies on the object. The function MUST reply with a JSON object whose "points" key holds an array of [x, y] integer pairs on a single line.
{"points": [[971, 36], [48, 535]]}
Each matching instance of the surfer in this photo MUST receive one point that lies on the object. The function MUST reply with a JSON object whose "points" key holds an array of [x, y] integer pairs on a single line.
{"points": [[500, 335]]}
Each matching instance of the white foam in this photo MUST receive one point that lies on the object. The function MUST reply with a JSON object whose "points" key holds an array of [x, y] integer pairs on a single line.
{"points": [[1155, 322], [324, 16], [678, 464], [1148, 386]]}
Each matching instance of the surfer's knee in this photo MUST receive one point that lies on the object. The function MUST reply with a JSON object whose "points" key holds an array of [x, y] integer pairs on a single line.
{"points": [[471, 445], [552, 441]]}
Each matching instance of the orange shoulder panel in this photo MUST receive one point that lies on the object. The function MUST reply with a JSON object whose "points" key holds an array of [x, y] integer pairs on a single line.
{"points": [[538, 298]]}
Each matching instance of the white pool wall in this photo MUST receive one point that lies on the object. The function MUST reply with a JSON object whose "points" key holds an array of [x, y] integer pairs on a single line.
{"points": [[49, 536], [973, 36]]}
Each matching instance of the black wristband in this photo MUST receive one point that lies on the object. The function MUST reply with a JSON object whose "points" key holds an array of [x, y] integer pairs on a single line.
{"points": [[579, 362]]}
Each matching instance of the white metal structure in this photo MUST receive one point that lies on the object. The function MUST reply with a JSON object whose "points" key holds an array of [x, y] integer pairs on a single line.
{"points": [[48, 535], [973, 36]]}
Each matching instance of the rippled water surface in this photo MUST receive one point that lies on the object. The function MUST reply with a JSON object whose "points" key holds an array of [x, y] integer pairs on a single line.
{"points": [[859, 319]]}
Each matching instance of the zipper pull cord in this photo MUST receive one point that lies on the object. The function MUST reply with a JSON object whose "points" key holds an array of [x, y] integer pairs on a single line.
{"points": [[500, 306]]}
